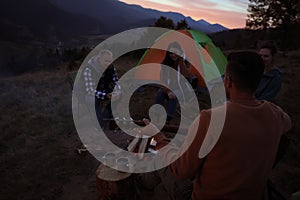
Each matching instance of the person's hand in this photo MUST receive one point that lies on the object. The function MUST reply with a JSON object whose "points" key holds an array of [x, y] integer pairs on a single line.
{"points": [[171, 95], [149, 130], [158, 136], [114, 95], [109, 95]]}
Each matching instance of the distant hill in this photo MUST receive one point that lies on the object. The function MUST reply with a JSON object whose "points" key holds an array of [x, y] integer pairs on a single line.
{"points": [[117, 16], [114, 16], [25, 20], [54, 20], [31, 28], [251, 39]]}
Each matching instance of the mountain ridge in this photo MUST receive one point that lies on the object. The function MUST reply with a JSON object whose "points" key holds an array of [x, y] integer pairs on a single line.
{"points": [[53, 20], [129, 13]]}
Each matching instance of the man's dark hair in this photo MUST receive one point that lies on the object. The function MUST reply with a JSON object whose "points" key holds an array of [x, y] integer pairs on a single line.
{"points": [[245, 69]]}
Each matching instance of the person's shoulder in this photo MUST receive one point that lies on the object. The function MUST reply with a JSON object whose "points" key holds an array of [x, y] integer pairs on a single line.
{"points": [[275, 72], [215, 110], [93, 60], [282, 116], [112, 66], [275, 108], [205, 112]]}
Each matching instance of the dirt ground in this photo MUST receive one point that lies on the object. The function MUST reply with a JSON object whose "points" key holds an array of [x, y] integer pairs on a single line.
{"points": [[38, 137]]}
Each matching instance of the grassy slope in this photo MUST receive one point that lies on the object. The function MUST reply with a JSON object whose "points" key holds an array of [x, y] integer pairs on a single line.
{"points": [[38, 137], [287, 173]]}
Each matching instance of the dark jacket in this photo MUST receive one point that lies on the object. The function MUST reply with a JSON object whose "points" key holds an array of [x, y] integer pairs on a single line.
{"points": [[269, 85], [88, 84]]}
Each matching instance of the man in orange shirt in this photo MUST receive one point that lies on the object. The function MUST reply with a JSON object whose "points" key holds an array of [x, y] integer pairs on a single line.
{"points": [[239, 164]]}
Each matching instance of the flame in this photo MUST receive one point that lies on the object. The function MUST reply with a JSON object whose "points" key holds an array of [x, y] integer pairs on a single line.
{"points": [[152, 142], [152, 139]]}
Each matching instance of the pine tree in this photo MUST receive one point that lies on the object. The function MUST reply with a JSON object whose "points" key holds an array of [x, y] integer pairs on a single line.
{"points": [[164, 22], [265, 14], [181, 25]]}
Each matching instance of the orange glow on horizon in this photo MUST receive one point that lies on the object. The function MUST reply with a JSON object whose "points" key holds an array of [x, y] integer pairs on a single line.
{"points": [[228, 18]]}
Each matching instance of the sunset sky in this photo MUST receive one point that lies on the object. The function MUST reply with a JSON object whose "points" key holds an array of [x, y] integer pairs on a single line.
{"points": [[229, 13]]}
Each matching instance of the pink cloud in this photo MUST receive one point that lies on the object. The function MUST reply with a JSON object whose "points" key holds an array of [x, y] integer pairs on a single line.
{"points": [[205, 9], [230, 19], [202, 4]]}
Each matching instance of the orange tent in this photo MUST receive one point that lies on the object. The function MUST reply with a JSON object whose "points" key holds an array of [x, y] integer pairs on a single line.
{"points": [[207, 61]]}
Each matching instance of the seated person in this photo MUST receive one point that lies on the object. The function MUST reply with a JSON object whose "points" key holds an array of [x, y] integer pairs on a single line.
{"points": [[173, 60], [239, 164]]}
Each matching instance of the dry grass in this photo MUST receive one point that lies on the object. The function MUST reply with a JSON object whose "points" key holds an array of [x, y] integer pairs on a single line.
{"points": [[38, 137], [287, 174]]}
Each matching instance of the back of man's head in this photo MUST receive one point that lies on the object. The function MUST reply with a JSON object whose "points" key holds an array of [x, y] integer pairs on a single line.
{"points": [[245, 69]]}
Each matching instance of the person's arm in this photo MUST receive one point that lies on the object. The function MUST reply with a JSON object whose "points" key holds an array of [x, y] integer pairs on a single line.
{"points": [[284, 140], [115, 79], [164, 77], [115, 83], [90, 85], [282, 148], [184, 68], [271, 89], [189, 163]]}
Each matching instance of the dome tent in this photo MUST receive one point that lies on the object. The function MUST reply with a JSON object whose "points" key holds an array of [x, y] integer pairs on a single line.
{"points": [[207, 61]]}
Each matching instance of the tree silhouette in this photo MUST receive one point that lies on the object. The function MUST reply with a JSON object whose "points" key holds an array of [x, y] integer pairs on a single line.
{"points": [[164, 22], [265, 14], [182, 25]]}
